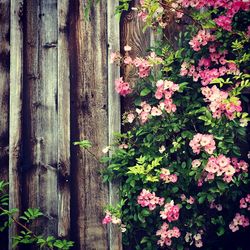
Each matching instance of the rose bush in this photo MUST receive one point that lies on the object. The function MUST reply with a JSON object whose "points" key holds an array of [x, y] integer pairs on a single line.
{"points": [[183, 163]]}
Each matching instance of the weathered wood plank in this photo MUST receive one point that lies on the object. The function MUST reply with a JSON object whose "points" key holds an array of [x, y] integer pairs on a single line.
{"points": [[15, 118], [88, 40], [41, 113], [4, 86], [114, 109], [132, 34], [4, 98], [63, 119]]}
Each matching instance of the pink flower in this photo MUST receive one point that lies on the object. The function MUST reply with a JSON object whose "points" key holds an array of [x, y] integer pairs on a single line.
{"points": [[201, 39], [167, 234], [173, 178], [122, 87], [198, 243], [110, 218], [128, 60], [239, 220], [143, 67], [205, 142], [167, 177], [219, 103], [107, 219], [245, 202], [150, 200], [114, 56], [156, 112], [224, 22], [130, 117], [191, 200], [196, 164], [223, 161], [170, 212], [183, 197]]}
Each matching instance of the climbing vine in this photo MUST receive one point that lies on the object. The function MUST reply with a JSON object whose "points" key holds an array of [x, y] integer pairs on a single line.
{"points": [[182, 163]]}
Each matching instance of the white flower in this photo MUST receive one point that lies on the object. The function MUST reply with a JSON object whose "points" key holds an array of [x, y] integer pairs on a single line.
{"points": [[162, 149], [127, 48], [106, 149]]}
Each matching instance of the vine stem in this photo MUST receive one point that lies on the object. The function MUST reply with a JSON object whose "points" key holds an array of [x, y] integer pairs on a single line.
{"points": [[22, 225], [92, 154]]}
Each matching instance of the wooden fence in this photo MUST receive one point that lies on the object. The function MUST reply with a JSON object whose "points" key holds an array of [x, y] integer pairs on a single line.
{"points": [[57, 87]]}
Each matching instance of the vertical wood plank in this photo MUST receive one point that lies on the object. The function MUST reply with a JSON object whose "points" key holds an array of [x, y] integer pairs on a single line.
{"points": [[41, 113], [4, 86], [132, 34], [4, 98], [114, 109], [63, 120], [16, 91], [88, 60]]}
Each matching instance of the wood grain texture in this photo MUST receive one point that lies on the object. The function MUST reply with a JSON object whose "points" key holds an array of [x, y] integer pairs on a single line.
{"points": [[4, 98], [131, 32], [63, 120], [114, 109], [15, 120], [89, 120], [41, 113], [4, 86]]}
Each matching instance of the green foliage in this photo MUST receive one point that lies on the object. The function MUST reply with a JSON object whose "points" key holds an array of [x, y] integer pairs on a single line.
{"points": [[83, 144], [163, 141], [26, 235]]}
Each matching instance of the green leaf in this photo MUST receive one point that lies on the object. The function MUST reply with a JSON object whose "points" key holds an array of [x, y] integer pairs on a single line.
{"points": [[202, 199], [175, 189], [180, 247], [83, 144], [145, 92], [220, 231]]}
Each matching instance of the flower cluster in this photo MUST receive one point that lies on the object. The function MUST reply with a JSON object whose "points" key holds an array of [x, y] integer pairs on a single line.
{"points": [[190, 200], [218, 207], [109, 218], [122, 87], [231, 7], [220, 166], [204, 71], [239, 220], [150, 200], [166, 234], [165, 89], [212, 77], [224, 22], [170, 212], [196, 239], [201, 39], [167, 177], [143, 66], [203, 141], [219, 104], [240, 166], [147, 110], [245, 202]]}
